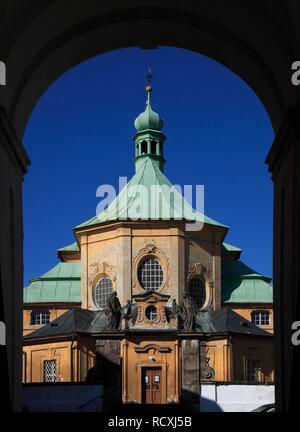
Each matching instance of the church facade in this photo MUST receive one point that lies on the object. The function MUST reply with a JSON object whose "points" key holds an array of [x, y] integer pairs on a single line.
{"points": [[146, 306]]}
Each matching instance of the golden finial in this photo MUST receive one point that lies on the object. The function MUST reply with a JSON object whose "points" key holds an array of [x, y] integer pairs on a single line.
{"points": [[149, 79]]}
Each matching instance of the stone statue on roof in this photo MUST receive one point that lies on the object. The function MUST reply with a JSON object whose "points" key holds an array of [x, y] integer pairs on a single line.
{"points": [[113, 312], [188, 313]]}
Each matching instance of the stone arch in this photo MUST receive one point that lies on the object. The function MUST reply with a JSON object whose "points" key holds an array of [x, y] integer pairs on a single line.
{"points": [[257, 40], [53, 41]]}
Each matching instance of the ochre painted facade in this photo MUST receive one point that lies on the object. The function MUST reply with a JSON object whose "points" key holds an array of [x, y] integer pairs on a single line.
{"points": [[55, 311], [247, 310]]}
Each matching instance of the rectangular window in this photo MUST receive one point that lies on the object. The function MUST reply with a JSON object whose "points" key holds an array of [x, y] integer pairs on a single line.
{"points": [[49, 370], [253, 370], [261, 318], [40, 317]]}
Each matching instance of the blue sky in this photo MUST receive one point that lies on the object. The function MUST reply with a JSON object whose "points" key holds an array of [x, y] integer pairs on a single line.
{"points": [[80, 136]]}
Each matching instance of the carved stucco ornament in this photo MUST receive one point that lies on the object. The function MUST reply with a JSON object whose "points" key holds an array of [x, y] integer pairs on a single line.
{"points": [[207, 373], [103, 269], [206, 274]]}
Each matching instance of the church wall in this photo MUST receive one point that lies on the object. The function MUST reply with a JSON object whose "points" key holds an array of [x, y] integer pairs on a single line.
{"points": [[219, 353], [82, 352], [205, 248], [115, 251], [100, 252], [246, 309], [35, 355], [84, 357], [170, 243], [133, 362], [260, 348], [28, 327]]}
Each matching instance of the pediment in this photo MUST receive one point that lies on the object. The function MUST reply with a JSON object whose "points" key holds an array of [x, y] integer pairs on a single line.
{"points": [[151, 297]]}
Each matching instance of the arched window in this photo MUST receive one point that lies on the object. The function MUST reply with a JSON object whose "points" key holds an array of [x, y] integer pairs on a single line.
{"points": [[197, 291], [144, 147], [40, 317], [103, 290], [153, 147], [260, 318], [150, 274]]}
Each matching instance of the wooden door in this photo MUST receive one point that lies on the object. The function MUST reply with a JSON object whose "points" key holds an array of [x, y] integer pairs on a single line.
{"points": [[151, 386]]}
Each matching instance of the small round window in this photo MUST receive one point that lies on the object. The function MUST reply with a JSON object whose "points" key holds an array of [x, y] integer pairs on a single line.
{"points": [[197, 291], [150, 274], [103, 290], [151, 313]]}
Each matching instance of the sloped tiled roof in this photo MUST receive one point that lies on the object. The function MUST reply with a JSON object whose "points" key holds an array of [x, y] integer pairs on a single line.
{"points": [[226, 320], [73, 247], [71, 322], [138, 190], [76, 321], [241, 284], [59, 285]]}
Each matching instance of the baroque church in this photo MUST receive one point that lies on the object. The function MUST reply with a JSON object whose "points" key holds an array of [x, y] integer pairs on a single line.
{"points": [[146, 306]]}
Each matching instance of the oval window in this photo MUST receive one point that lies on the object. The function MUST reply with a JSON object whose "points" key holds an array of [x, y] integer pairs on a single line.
{"points": [[197, 291], [150, 274], [151, 313], [103, 290]]}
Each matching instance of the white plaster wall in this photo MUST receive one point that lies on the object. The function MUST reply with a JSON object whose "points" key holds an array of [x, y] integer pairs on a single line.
{"points": [[235, 397]]}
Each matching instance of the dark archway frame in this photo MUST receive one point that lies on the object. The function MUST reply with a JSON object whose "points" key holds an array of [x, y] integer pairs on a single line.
{"points": [[256, 43]]}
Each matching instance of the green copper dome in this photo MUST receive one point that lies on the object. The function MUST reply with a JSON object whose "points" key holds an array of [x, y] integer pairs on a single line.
{"points": [[148, 119]]}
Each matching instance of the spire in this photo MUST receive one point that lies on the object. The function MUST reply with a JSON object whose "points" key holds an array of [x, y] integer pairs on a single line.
{"points": [[149, 139]]}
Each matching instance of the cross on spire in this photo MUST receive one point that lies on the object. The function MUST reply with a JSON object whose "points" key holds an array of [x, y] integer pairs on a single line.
{"points": [[149, 76], [149, 79]]}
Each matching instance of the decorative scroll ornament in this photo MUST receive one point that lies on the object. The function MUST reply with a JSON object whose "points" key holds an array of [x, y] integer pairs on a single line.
{"points": [[199, 269], [204, 272], [102, 269], [207, 373], [150, 248]]}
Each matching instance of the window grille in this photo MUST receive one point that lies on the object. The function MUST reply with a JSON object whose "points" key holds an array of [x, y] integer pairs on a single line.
{"points": [[103, 290], [151, 313], [253, 370], [261, 318], [40, 317], [49, 370], [197, 291], [150, 274]]}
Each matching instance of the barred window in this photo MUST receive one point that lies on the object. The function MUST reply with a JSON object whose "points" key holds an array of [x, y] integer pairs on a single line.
{"points": [[151, 313], [261, 318], [253, 370], [103, 290], [197, 291], [150, 274], [40, 317], [49, 370]]}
